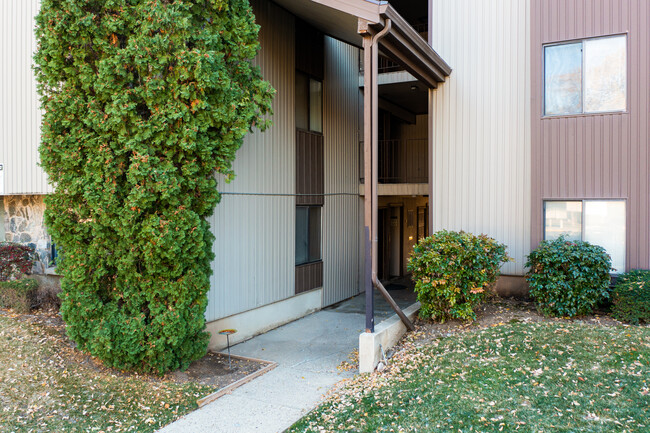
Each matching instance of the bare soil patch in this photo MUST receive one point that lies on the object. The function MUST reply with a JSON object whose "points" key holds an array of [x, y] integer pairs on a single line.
{"points": [[214, 370]]}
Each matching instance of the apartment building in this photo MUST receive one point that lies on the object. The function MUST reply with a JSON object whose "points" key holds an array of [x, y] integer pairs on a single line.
{"points": [[520, 119]]}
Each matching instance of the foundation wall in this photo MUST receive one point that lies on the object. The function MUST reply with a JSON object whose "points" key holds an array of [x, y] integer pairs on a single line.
{"points": [[23, 221]]}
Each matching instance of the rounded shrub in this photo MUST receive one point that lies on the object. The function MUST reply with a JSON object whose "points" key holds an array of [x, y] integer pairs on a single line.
{"points": [[453, 273], [631, 297], [568, 278], [144, 102]]}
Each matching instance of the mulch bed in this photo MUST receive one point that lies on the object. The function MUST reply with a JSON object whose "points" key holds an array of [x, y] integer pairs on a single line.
{"points": [[213, 370]]}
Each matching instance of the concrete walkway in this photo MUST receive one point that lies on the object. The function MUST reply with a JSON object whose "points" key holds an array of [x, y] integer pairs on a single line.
{"points": [[308, 352]]}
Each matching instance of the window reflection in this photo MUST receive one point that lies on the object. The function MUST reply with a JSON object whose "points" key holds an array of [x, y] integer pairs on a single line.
{"points": [[563, 78], [605, 74], [599, 222], [563, 218]]}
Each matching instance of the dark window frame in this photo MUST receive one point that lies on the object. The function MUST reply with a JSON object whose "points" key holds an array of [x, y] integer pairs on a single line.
{"points": [[318, 237], [309, 78]]}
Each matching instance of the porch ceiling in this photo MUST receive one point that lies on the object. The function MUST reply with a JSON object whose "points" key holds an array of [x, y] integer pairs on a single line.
{"points": [[412, 96], [345, 19], [335, 18]]}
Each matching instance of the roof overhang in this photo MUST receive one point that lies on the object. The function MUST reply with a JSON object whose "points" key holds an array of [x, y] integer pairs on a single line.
{"points": [[405, 46], [336, 18], [347, 20]]}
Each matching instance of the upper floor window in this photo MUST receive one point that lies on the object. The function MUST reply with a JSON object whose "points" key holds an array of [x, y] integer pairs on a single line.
{"points": [[588, 76], [309, 103]]}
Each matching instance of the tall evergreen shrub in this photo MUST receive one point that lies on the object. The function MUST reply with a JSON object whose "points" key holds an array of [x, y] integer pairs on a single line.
{"points": [[144, 100]]}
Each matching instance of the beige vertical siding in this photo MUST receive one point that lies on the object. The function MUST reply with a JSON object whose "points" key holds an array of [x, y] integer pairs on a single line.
{"points": [[341, 213], [595, 155], [254, 246], [19, 107], [254, 249], [481, 122]]}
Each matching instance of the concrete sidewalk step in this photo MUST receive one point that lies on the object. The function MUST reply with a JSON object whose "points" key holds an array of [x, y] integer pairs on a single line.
{"points": [[308, 352]]}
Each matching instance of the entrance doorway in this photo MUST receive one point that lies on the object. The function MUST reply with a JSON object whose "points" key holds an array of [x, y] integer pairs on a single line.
{"points": [[390, 242]]}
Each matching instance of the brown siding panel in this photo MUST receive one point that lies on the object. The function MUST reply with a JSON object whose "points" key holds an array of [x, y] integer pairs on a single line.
{"points": [[599, 155], [309, 276], [309, 168]]}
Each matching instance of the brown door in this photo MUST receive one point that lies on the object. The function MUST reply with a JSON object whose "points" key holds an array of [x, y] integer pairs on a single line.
{"points": [[395, 241], [390, 237], [383, 248]]}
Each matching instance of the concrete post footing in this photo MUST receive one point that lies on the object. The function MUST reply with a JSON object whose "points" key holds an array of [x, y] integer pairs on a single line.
{"points": [[387, 334]]}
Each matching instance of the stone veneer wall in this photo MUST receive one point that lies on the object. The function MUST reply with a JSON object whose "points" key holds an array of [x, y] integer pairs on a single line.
{"points": [[23, 223]]}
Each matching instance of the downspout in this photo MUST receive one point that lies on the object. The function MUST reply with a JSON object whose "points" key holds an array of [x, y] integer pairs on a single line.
{"points": [[375, 178], [371, 150]]}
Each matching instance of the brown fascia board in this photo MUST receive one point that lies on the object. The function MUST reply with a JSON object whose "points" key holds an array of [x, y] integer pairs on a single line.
{"points": [[405, 46], [365, 9], [423, 71], [402, 26]]}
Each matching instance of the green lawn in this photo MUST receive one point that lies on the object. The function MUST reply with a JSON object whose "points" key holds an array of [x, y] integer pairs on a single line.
{"points": [[524, 377], [45, 385]]}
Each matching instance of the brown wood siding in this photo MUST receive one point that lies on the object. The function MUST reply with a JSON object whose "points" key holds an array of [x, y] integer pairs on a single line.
{"points": [[309, 276], [594, 156], [309, 168]]}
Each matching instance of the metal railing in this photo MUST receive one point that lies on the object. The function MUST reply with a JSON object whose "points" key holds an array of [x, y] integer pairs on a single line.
{"points": [[400, 161]]}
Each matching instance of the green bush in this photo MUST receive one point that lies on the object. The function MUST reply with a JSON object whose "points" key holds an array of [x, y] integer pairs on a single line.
{"points": [[18, 294], [631, 297], [568, 278], [144, 103], [15, 260], [454, 272]]}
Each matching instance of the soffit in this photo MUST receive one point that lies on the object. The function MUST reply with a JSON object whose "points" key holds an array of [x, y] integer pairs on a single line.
{"points": [[344, 19], [336, 18]]}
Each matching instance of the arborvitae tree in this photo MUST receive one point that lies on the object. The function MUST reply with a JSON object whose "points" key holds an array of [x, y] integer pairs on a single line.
{"points": [[144, 101]]}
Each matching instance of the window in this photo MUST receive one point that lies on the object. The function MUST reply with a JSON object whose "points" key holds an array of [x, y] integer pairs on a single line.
{"points": [[599, 222], [423, 222], [55, 260], [588, 76], [308, 234], [309, 103]]}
